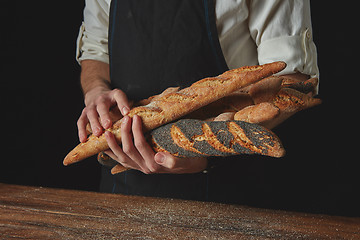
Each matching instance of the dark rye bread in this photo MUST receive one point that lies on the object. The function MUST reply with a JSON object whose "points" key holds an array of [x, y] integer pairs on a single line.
{"points": [[195, 138]]}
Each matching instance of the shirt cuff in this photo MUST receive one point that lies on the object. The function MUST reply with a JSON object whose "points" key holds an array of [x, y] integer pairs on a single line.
{"points": [[299, 53], [90, 47]]}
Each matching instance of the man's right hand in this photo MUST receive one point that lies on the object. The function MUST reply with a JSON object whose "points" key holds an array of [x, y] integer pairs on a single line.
{"points": [[98, 103], [99, 98]]}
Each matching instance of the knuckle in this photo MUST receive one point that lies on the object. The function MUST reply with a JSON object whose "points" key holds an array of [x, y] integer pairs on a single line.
{"points": [[118, 94], [153, 168], [171, 163], [100, 107], [146, 171], [127, 150], [79, 123], [89, 110], [101, 100], [117, 91], [80, 120], [84, 111]]}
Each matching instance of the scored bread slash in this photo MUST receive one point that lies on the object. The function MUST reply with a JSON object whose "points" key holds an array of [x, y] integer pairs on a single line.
{"points": [[172, 106], [259, 113], [172, 140], [195, 138], [202, 138], [256, 139]]}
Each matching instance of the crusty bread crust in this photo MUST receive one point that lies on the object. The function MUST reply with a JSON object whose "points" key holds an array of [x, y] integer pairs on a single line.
{"points": [[290, 101], [257, 113], [174, 105]]}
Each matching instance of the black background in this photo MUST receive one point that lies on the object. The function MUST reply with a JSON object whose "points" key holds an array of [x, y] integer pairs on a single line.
{"points": [[41, 101]]}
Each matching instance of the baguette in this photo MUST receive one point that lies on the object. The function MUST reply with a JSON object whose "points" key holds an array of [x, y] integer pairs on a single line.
{"points": [[231, 103], [258, 113], [266, 89], [286, 103], [195, 138], [290, 101], [262, 91], [174, 105], [308, 86]]}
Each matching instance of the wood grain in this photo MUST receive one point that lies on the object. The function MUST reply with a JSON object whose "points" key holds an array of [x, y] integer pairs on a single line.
{"points": [[44, 213]]}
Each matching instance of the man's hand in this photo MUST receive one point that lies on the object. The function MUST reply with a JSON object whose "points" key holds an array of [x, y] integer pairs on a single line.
{"points": [[98, 101], [99, 98], [136, 153]]}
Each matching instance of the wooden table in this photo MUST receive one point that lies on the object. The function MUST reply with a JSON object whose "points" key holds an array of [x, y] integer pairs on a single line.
{"points": [[45, 213]]}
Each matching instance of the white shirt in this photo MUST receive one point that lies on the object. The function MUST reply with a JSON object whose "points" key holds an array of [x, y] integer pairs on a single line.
{"points": [[250, 33]]}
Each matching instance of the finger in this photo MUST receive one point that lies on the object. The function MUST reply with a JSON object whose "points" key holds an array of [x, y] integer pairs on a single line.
{"points": [[139, 139], [122, 101], [110, 153], [81, 124], [114, 157], [103, 111], [93, 117], [167, 160], [127, 140], [116, 152], [172, 164], [131, 151], [144, 149]]}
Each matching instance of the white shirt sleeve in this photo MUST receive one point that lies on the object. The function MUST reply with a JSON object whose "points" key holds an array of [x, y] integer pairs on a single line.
{"points": [[282, 31], [92, 42]]}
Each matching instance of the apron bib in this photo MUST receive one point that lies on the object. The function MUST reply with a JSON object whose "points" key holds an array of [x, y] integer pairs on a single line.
{"points": [[154, 45]]}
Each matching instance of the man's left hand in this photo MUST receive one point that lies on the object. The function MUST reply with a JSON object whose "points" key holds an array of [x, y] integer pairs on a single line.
{"points": [[136, 153]]}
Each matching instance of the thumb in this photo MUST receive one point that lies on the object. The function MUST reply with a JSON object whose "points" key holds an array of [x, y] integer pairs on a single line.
{"points": [[174, 164], [166, 160]]}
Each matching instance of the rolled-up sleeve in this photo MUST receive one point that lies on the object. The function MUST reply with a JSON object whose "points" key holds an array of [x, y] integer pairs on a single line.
{"points": [[92, 41], [282, 31]]}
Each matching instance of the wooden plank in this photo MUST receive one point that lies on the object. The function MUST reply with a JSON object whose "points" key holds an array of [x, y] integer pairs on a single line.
{"points": [[44, 213]]}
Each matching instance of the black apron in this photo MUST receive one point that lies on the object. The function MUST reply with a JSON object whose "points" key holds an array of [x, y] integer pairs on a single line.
{"points": [[153, 45]]}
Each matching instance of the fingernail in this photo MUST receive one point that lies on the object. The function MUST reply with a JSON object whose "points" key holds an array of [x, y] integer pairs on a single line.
{"points": [[83, 138], [125, 111], [125, 119], [107, 123], [97, 131], [160, 158]]}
